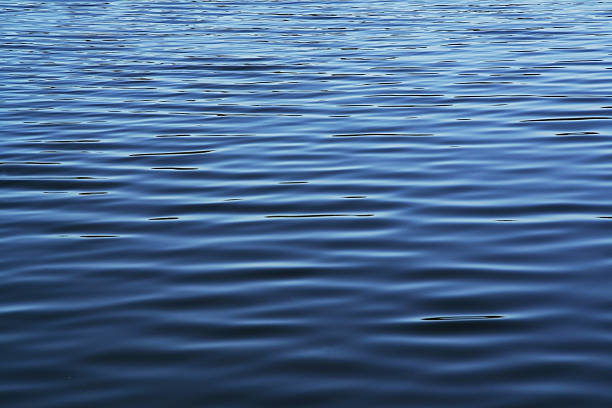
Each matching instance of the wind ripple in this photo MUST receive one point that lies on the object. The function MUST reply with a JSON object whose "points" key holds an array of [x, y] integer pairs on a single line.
{"points": [[305, 204]]}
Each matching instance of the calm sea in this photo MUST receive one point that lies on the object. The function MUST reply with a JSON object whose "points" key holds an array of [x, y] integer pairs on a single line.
{"points": [[270, 203]]}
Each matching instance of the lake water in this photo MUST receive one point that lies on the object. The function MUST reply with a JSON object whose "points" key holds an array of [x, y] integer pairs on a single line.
{"points": [[269, 203]]}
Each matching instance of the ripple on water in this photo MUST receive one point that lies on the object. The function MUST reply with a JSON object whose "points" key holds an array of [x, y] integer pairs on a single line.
{"points": [[317, 204]]}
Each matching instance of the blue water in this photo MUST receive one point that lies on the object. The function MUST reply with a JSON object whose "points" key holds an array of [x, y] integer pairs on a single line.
{"points": [[306, 204]]}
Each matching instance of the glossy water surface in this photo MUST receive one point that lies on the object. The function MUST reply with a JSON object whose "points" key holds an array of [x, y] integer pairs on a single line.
{"points": [[333, 203]]}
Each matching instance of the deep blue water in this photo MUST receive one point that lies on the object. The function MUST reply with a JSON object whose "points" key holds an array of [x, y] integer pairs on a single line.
{"points": [[306, 204]]}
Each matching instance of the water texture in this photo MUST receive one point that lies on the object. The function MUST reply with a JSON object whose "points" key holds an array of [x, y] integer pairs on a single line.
{"points": [[306, 204]]}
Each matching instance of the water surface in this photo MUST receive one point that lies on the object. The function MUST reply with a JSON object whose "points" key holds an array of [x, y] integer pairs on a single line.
{"points": [[306, 204]]}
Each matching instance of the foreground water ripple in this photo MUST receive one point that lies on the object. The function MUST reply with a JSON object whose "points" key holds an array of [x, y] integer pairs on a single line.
{"points": [[297, 203]]}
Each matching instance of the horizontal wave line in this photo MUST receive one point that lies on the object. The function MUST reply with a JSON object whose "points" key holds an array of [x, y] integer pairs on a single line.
{"points": [[319, 215], [567, 119], [463, 317], [170, 153]]}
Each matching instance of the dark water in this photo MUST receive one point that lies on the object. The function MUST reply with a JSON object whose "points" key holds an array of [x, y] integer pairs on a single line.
{"points": [[306, 204]]}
